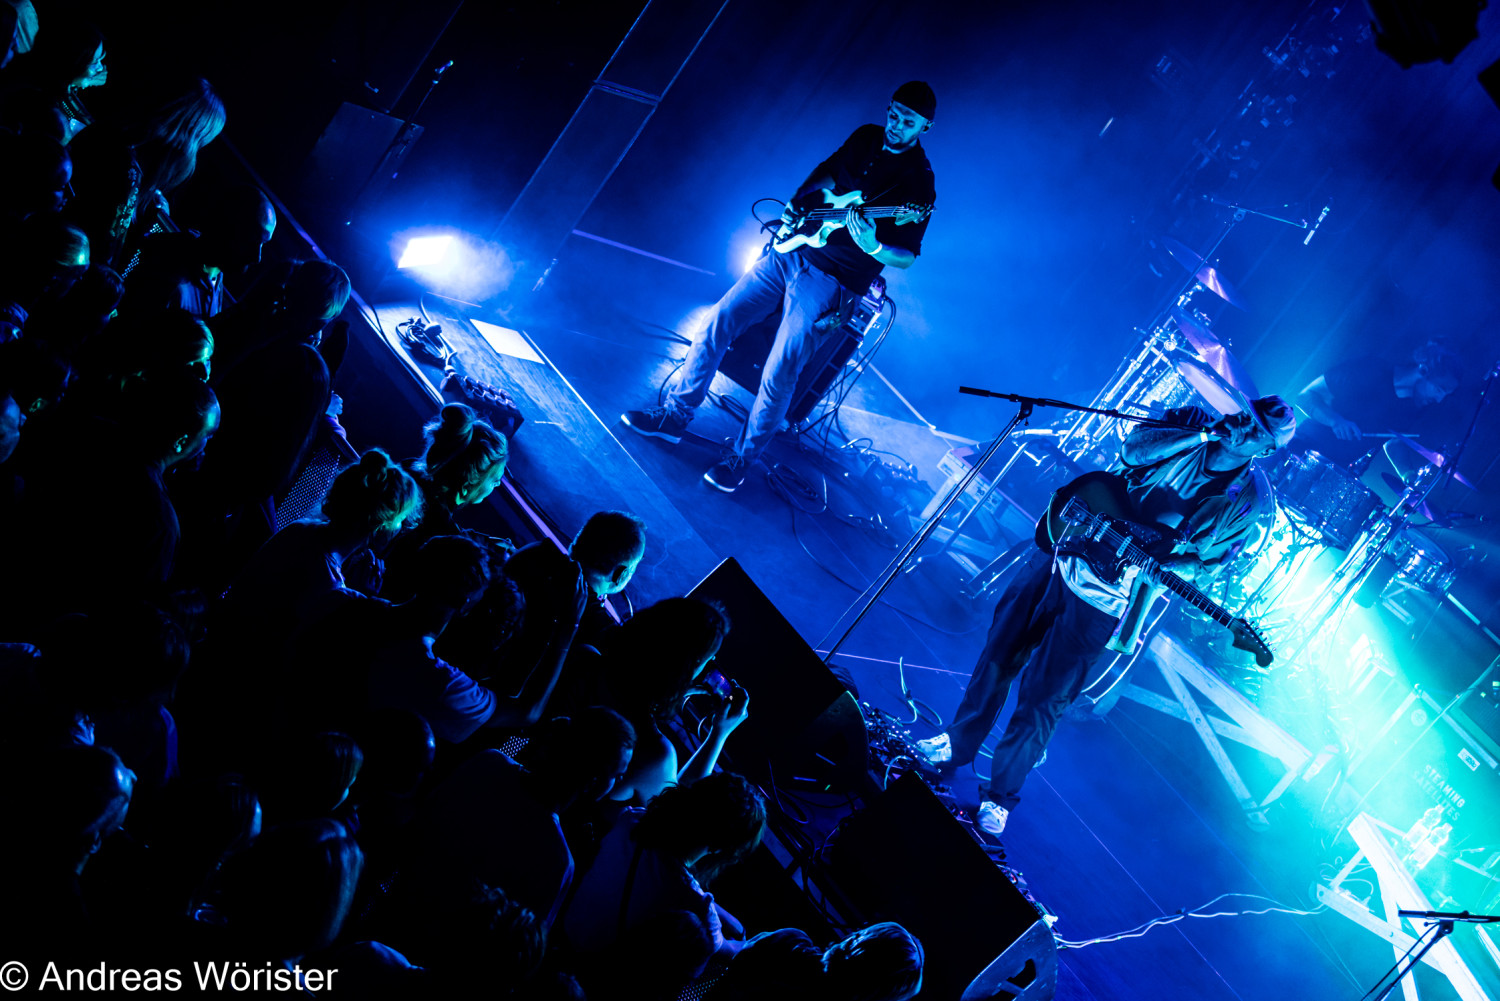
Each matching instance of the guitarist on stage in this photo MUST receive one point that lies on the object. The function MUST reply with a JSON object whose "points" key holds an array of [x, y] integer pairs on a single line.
{"points": [[1058, 617], [813, 288]]}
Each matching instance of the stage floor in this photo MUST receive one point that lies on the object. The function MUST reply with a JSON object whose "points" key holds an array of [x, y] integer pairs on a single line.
{"points": [[1126, 820]]}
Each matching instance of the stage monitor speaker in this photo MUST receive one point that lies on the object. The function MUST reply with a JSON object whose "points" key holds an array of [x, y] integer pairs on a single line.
{"points": [[801, 716], [905, 858], [355, 157]]}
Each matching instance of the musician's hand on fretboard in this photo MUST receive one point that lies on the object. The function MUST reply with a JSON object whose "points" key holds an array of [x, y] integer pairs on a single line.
{"points": [[1188, 567]]}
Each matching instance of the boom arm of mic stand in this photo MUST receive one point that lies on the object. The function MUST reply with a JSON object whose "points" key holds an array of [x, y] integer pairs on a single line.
{"points": [[1482, 919], [929, 526], [1042, 401]]}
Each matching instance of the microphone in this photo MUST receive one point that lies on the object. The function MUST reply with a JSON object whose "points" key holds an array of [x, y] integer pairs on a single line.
{"points": [[1453, 516], [1316, 223]]}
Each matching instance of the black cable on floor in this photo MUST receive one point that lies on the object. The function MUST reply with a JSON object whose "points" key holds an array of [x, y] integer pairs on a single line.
{"points": [[777, 477]]}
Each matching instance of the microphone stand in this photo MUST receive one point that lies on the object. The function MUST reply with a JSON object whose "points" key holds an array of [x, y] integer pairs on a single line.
{"points": [[1038, 401], [1027, 404], [1443, 922], [1450, 464]]}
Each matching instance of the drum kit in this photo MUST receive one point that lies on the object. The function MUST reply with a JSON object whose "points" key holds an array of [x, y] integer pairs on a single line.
{"points": [[1180, 362], [1321, 505], [1336, 508]]}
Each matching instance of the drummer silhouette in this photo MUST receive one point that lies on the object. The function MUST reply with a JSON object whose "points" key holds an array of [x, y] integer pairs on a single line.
{"points": [[1360, 398]]}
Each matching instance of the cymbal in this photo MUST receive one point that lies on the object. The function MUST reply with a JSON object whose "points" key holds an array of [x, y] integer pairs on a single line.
{"points": [[1220, 393], [1410, 459], [1208, 347], [1396, 486], [1207, 275], [1194, 327]]}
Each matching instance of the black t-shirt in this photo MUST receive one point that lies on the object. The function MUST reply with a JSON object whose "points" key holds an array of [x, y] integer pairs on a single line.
{"points": [[1365, 393], [863, 164]]}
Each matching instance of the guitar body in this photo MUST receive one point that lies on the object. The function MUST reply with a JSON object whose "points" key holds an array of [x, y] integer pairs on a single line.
{"points": [[1094, 518], [819, 212], [1103, 494], [814, 230]]}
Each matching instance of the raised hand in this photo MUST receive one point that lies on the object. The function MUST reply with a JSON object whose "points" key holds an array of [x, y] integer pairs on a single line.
{"points": [[1345, 430], [732, 711]]}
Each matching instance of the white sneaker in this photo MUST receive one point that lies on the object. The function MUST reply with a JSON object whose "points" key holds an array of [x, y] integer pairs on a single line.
{"points": [[937, 750], [992, 817]]}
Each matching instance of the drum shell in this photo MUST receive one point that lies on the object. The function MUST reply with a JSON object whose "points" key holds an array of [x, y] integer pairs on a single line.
{"points": [[1326, 496]]}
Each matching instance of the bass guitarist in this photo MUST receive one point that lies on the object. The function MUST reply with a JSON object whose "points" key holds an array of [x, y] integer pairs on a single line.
{"points": [[1058, 616], [812, 287]]}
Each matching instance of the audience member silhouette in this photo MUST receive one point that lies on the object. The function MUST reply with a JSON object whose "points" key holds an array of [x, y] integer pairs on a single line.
{"points": [[67, 800], [289, 303], [660, 859], [237, 690], [73, 323], [496, 821], [483, 942], [452, 573], [79, 547], [40, 175], [608, 547], [273, 402], [167, 142], [118, 668], [882, 962], [297, 576], [461, 466], [40, 260], [190, 270], [288, 894], [67, 58], [650, 667], [309, 777], [106, 192]]}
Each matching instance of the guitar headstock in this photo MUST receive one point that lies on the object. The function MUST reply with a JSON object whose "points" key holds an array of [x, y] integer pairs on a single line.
{"points": [[912, 212], [1249, 639]]}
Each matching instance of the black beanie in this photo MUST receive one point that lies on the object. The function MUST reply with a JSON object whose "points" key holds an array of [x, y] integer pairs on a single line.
{"points": [[917, 96]]}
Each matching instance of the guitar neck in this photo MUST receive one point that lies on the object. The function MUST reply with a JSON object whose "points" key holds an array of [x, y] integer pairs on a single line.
{"points": [[875, 212], [1195, 597], [1137, 556]]}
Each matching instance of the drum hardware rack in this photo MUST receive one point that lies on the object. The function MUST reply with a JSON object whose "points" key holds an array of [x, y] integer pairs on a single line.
{"points": [[1372, 545], [1336, 592]]}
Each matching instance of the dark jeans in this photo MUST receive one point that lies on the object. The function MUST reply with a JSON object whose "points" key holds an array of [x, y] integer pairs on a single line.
{"points": [[778, 282], [1039, 621]]}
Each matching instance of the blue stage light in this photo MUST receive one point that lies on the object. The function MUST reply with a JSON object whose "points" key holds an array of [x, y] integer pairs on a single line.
{"points": [[425, 251], [749, 256]]}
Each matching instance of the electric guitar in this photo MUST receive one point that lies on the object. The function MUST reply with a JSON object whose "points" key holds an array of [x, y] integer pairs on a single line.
{"points": [[819, 212], [1093, 518]]}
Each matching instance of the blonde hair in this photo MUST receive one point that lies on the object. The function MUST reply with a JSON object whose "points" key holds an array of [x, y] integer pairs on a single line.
{"points": [[462, 450], [372, 493], [176, 132]]}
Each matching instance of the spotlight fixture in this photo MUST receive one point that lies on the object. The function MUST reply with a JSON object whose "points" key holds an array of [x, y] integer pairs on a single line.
{"points": [[425, 251]]}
